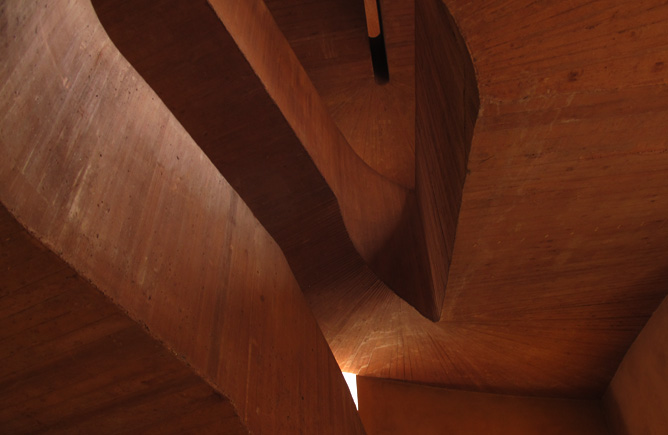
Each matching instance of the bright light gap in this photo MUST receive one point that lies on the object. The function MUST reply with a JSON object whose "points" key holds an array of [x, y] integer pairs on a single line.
{"points": [[351, 380]]}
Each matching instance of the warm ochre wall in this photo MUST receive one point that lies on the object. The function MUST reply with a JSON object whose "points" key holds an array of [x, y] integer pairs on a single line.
{"points": [[393, 408], [637, 399]]}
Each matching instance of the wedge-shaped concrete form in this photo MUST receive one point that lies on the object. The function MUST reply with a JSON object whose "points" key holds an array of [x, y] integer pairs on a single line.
{"points": [[73, 362]]}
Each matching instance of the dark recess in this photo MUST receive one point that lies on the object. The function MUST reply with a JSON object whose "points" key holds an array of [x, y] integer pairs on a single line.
{"points": [[378, 53]]}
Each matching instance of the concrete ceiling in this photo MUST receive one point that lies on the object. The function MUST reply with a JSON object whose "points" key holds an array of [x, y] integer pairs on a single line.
{"points": [[561, 246], [561, 243]]}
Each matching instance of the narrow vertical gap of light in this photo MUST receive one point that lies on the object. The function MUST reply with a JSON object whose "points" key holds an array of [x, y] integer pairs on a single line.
{"points": [[351, 380], [374, 25]]}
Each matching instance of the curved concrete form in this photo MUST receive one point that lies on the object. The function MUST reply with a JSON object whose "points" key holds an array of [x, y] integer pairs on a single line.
{"points": [[561, 239], [97, 168]]}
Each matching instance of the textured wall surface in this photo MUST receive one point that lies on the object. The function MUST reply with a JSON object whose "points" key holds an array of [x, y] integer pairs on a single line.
{"points": [[74, 363], [396, 408], [99, 170], [637, 399]]}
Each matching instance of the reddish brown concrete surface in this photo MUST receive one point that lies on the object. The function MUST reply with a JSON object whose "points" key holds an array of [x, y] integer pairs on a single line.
{"points": [[73, 362], [98, 169], [399, 408], [637, 398], [558, 256], [562, 237]]}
